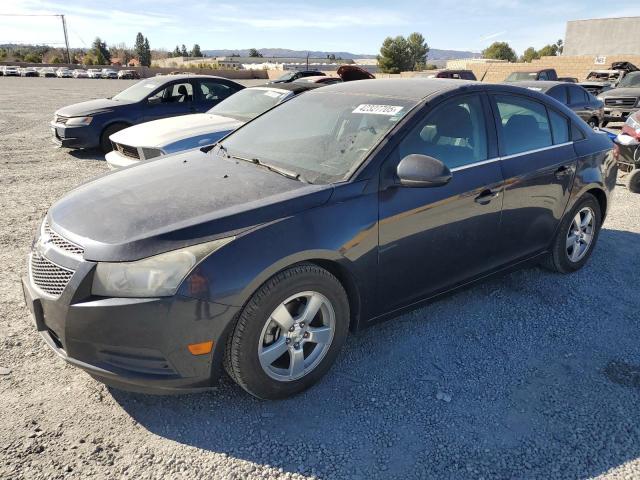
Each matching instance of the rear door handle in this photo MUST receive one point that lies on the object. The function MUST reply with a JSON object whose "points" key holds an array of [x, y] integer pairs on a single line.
{"points": [[486, 196]]}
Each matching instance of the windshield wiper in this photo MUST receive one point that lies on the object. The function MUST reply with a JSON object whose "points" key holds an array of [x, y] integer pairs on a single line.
{"points": [[279, 170]]}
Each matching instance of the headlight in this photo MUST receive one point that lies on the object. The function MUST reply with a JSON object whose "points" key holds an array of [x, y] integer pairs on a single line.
{"points": [[151, 152], [79, 121], [157, 276]]}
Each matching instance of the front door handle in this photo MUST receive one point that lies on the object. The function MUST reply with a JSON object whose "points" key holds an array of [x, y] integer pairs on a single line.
{"points": [[486, 196]]}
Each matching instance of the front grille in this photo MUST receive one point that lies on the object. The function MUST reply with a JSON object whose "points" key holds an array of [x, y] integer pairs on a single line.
{"points": [[47, 276], [61, 120], [62, 243], [128, 151], [621, 102]]}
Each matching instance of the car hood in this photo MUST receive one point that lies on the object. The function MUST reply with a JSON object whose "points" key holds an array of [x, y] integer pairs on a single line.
{"points": [[160, 133], [622, 92], [176, 201], [90, 107]]}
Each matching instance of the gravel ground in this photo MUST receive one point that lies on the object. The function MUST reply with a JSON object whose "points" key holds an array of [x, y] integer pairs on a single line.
{"points": [[533, 375]]}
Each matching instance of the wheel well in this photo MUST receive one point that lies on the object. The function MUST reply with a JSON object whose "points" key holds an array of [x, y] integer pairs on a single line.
{"points": [[109, 125], [602, 200], [348, 283]]}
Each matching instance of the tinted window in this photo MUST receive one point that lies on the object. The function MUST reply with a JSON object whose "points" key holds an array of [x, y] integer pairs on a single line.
{"points": [[524, 124], [559, 93], [454, 133], [576, 133], [174, 93], [577, 95], [559, 126], [215, 91], [543, 76]]}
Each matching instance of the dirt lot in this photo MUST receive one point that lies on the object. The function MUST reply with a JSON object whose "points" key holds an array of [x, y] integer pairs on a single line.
{"points": [[533, 375]]}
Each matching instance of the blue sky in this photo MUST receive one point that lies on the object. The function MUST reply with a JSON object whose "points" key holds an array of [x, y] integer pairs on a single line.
{"points": [[356, 26]]}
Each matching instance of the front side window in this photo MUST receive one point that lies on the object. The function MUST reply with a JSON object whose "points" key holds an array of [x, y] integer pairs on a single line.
{"points": [[524, 124], [630, 80], [327, 136], [454, 133], [175, 93]]}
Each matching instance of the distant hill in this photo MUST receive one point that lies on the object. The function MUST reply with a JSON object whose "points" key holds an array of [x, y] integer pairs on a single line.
{"points": [[434, 53]]}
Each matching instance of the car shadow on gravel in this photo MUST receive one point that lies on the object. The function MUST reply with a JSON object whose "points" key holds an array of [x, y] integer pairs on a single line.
{"points": [[87, 154], [531, 375]]}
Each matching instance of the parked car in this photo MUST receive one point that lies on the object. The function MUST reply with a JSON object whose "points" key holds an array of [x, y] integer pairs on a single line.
{"points": [[175, 134], [48, 72], [599, 81], [11, 71], [296, 74], [80, 73], [586, 106], [262, 252], [94, 73], [456, 74], [28, 72], [622, 101], [90, 124], [64, 72], [544, 74], [321, 79], [628, 151], [108, 73], [568, 79], [128, 74], [346, 73]]}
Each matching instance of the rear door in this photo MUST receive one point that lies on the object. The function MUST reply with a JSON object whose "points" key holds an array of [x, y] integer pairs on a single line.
{"points": [[433, 238], [580, 102], [538, 164]]}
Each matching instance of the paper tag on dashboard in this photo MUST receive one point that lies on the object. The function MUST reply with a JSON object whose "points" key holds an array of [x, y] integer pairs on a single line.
{"points": [[389, 110]]}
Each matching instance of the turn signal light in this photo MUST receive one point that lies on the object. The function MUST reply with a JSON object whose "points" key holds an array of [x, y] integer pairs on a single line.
{"points": [[201, 348]]}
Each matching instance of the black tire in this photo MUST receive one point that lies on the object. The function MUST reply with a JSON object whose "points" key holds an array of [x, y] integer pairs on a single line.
{"points": [[242, 361], [633, 181], [105, 143], [593, 122], [558, 259]]}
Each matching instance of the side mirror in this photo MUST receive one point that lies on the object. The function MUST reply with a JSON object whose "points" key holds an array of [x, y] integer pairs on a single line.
{"points": [[422, 171]]}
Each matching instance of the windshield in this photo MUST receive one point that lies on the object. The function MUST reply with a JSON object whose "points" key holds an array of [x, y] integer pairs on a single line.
{"points": [[519, 76], [137, 91], [286, 76], [631, 80], [323, 136], [248, 103]]}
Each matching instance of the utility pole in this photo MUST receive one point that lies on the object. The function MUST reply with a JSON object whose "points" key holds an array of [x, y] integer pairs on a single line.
{"points": [[66, 37]]}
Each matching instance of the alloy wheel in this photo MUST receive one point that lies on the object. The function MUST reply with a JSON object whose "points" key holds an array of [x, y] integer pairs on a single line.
{"points": [[580, 234], [296, 336]]}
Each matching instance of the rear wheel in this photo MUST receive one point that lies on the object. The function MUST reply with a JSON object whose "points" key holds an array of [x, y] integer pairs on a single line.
{"points": [[289, 333], [105, 143], [576, 236], [633, 181]]}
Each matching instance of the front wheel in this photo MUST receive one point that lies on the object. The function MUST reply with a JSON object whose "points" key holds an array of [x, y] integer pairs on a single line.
{"points": [[633, 181], [289, 333], [593, 122], [576, 236], [105, 143]]}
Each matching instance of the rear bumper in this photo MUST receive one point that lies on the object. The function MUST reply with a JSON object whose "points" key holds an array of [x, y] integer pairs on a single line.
{"points": [[131, 343], [75, 137]]}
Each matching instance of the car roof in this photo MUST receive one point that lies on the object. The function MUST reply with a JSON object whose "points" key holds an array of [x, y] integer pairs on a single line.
{"points": [[408, 88], [182, 76], [294, 87], [542, 85]]}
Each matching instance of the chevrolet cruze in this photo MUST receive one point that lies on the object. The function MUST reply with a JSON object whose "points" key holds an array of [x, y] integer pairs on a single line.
{"points": [[259, 254]]}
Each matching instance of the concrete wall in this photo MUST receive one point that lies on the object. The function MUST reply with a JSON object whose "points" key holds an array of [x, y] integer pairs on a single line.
{"points": [[603, 36]]}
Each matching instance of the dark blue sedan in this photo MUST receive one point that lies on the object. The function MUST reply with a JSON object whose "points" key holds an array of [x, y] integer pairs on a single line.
{"points": [[89, 124]]}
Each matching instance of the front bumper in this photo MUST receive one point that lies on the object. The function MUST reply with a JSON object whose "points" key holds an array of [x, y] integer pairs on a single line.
{"points": [[75, 137], [613, 114], [137, 344], [116, 160]]}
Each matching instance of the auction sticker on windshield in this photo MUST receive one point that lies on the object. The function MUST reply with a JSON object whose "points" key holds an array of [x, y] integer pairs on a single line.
{"points": [[389, 110]]}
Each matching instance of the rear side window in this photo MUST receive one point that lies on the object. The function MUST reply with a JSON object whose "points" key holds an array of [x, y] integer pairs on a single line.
{"points": [[559, 93], [212, 90], [559, 127], [577, 95], [524, 124]]}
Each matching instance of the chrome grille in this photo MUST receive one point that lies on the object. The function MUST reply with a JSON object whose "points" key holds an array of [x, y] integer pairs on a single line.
{"points": [[128, 151], [620, 102], [47, 276], [62, 243]]}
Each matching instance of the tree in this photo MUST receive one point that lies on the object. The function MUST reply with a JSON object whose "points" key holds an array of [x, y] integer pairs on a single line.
{"points": [[145, 58], [529, 55], [195, 51], [548, 51], [499, 51], [254, 53], [418, 50], [33, 57], [183, 51], [176, 52], [100, 52], [138, 46]]}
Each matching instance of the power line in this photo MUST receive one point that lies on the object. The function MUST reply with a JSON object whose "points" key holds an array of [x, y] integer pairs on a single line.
{"points": [[64, 25]]}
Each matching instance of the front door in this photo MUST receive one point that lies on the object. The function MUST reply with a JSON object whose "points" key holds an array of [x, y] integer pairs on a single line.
{"points": [[538, 162], [432, 238]]}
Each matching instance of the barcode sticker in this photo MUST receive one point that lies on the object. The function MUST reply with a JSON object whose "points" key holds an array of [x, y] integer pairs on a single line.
{"points": [[389, 110]]}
